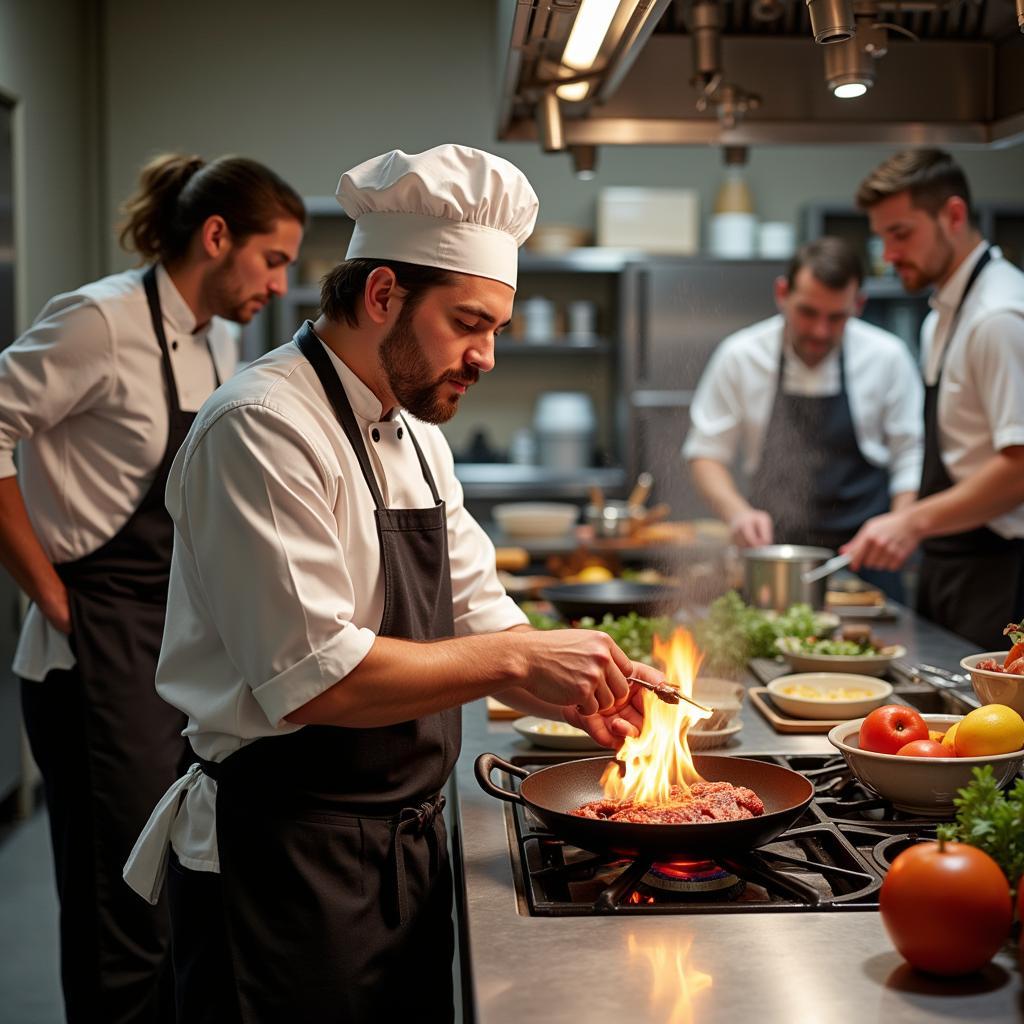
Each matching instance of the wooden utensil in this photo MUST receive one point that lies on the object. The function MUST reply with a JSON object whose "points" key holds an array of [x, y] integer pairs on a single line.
{"points": [[641, 490]]}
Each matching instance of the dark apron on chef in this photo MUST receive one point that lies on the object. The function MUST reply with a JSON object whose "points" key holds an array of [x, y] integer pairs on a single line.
{"points": [[812, 479], [334, 867], [109, 747], [972, 583]]}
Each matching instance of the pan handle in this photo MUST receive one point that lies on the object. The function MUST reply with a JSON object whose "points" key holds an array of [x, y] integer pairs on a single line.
{"points": [[485, 764]]}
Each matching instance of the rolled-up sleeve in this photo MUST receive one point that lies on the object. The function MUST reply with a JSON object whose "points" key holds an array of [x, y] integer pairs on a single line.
{"points": [[61, 366], [903, 426], [259, 503], [997, 363], [717, 414]]}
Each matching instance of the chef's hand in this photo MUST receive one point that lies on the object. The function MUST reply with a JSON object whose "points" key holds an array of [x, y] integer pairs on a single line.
{"points": [[54, 606], [626, 718], [751, 528], [577, 668], [884, 542]]}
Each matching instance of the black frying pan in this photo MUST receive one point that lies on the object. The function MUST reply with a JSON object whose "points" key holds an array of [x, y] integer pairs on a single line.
{"points": [[552, 792], [617, 597]]}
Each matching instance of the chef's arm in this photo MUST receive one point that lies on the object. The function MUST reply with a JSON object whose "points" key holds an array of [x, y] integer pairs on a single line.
{"points": [[23, 557], [995, 488], [902, 500], [399, 680], [749, 526]]}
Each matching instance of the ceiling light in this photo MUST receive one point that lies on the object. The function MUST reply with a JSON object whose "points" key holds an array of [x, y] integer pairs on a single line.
{"points": [[850, 65], [588, 32], [584, 162], [576, 91], [549, 114], [831, 20]]}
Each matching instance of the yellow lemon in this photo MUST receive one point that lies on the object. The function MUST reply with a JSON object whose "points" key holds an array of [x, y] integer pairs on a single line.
{"points": [[949, 740], [594, 574], [992, 729], [937, 736]]}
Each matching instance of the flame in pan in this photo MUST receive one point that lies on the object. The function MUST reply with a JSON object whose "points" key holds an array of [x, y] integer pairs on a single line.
{"points": [[648, 765]]}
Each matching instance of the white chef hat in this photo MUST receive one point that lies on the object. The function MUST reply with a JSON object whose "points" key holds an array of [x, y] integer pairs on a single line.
{"points": [[451, 207]]}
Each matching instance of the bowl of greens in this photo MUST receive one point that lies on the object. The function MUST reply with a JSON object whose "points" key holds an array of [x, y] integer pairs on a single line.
{"points": [[812, 653]]}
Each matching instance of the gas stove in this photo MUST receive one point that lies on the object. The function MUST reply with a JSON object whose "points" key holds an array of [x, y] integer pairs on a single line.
{"points": [[833, 859]]}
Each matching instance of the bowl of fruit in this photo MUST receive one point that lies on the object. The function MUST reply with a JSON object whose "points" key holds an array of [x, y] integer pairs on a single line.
{"points": [[919, 762], [998, 676]]}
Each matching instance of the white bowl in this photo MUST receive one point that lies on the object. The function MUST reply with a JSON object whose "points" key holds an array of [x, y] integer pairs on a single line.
{"points": [[535, 518], [827, 686], [995, 687], [924, 786], [858, 664], [725, 696], [558, 735], [708, 739]]}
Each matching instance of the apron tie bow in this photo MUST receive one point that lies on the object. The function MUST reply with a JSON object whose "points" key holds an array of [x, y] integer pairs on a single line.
{"points": [[415, 821]]}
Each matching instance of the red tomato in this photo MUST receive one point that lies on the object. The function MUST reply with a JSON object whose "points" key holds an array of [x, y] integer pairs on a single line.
{"points": [[923, 748], [1015, 668], [946, 907], [890, 727]]}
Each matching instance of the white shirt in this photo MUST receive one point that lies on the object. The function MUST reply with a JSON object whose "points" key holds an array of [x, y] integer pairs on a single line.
{"points": [[83, 392], [734, 399], [981, 395], [277, 588]]}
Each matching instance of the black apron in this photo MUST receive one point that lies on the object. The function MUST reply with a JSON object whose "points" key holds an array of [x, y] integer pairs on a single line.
{"points": [[109, 747], [812, 479], [971, 583], [334, 867]]}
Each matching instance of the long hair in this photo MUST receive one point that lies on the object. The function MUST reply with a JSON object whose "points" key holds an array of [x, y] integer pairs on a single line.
{"points": [[178, 193]]}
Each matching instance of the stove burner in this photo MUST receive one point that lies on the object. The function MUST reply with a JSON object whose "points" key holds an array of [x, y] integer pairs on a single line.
{"points": [[701, 878]]}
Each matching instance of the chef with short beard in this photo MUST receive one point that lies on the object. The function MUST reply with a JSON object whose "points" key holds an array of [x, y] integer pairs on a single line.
{"points": [[333, 605]]}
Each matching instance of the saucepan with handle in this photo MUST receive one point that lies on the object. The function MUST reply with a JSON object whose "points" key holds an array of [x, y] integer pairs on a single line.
{"points": [[552, 793]]}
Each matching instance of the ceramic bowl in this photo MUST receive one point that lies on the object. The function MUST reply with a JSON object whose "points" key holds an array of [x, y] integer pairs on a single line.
{"points": [[825, 694], [995, 687], [924, 786], [535, 518], [856, 664]]}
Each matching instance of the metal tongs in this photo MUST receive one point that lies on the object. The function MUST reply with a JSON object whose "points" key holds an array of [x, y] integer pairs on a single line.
{"points": [[669, 694], [826, 569]]}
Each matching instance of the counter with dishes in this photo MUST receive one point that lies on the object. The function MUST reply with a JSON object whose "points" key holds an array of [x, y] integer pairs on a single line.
{"points": [[715, 966]]}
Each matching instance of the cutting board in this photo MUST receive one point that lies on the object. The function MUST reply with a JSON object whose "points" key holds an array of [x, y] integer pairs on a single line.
{"points": [[780, 722], [497, 710]]}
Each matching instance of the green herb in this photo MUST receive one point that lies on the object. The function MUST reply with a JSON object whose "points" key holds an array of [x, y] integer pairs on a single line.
{"points": [[991, 820], [633, 633], [541, 621], [812, 645]]}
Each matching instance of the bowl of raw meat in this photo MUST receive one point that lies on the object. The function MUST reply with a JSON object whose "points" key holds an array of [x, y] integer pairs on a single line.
{"points": [[995, 681]]}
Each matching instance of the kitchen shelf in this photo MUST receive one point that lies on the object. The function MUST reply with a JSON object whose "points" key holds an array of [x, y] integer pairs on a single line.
{"points": [[507, 346], [503, 480]]}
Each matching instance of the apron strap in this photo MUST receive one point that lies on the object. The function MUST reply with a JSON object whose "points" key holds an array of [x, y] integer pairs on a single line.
{"points": [[983, 261], [427, 475], [413, 821]]}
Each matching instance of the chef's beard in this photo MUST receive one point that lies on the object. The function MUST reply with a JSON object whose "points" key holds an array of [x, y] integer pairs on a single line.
{"points": [[406, 366], [914, 277], [226, 295]]}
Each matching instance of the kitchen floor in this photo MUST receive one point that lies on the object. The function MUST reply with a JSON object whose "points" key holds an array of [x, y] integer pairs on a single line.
{"points": [[29, 970]]}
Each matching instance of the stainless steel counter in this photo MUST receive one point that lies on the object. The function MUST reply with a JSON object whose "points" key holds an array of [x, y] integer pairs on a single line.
{"points": [[819, 968]]}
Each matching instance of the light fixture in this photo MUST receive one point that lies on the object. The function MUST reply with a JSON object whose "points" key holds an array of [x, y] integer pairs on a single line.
{"points": [[1020, 14], [552, 132], [584, 162], [588, 36], [831, 20], [850, 65]]}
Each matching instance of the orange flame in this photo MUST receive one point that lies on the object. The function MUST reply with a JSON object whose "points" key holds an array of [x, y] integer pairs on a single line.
{"points": [[648, 765], [674, 981]]}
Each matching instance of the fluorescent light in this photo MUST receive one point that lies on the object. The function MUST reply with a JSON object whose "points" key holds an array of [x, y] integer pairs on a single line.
{"points": [[574, 92], [588, 32], [849, 91]]}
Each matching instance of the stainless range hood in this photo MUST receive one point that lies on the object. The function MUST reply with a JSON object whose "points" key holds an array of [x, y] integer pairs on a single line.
{"points": [[748, 72]]}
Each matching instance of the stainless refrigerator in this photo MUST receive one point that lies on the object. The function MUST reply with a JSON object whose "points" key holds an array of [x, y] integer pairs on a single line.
{"points": [[674, 313]]}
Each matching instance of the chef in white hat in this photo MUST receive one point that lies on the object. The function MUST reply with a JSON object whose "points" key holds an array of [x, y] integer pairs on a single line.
{"points": [[332, 605]]}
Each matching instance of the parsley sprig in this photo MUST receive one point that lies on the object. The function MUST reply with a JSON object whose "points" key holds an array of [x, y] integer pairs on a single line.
{"points": [[991, 820]]}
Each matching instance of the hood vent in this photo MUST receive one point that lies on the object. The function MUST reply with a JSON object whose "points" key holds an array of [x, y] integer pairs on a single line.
{"points": [[590, 73]]}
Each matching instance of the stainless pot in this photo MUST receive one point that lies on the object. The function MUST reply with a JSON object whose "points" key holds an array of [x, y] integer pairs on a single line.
{"points": [[771, 576]]}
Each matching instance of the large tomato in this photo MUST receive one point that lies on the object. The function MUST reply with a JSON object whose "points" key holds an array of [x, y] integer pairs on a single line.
{"points": [[890, 727], [946, 907]]}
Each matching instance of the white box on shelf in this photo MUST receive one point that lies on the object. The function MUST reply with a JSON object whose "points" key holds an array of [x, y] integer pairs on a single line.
{"points": [[663, 220]]}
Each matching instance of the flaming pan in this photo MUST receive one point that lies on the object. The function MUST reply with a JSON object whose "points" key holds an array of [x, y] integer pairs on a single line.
{"points": [[553, 792]]}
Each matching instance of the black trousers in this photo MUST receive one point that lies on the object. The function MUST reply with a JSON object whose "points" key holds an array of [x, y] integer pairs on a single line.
{"points": [[101, 779]]}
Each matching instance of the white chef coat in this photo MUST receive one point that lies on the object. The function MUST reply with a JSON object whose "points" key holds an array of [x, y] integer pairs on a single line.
{"points": [[277, 588], [981, 396], [733, 403], [82, 391]]}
